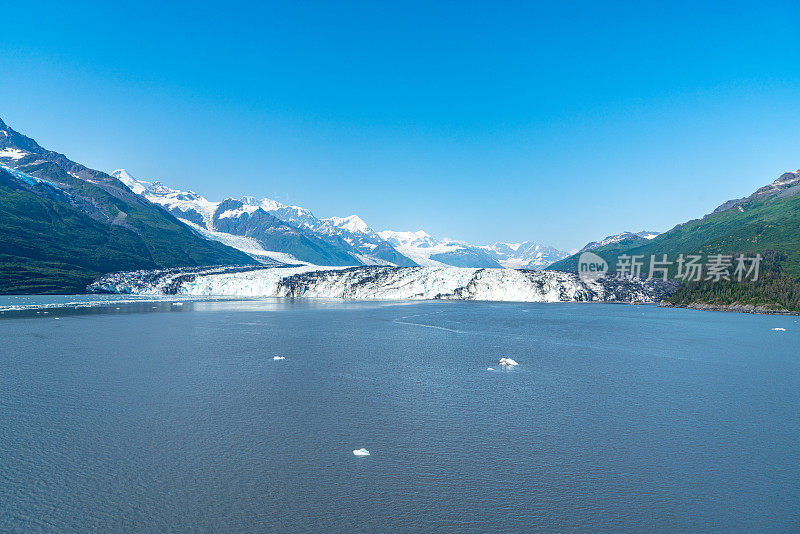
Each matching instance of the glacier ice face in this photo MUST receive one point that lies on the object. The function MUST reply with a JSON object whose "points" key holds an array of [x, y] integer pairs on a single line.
{"points": [[384, 283]]}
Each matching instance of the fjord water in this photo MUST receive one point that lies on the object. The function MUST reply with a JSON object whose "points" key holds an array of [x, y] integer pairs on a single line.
{"points": [[177, 418]]}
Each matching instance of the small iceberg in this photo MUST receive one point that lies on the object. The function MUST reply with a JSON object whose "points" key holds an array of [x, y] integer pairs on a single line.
{"points": [[508, 362], [177, 303], [279, 357], [779, 329], [490, 368], [361, 452]]}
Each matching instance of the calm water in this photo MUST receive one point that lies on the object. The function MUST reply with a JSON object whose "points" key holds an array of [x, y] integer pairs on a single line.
{"points": [[155, 417]]}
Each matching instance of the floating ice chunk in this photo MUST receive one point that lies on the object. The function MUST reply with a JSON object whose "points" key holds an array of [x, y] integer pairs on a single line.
{"points": [[507, 362], [177, 303], [279, 358], [490, 368], [361, 452], [779, 329]]}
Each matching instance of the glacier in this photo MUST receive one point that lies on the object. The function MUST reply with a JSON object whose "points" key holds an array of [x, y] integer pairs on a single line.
{"points": [[383, 283]]}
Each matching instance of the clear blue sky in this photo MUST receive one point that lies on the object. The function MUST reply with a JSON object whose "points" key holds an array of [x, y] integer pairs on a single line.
{"points": [[553, 121]]}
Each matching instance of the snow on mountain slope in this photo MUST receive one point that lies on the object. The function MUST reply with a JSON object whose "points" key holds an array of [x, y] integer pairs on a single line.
{"points": [[278, 228], [29, 179], [248, 245], [610, 240], [133, 184], [527, 255], [349, 232], [186, 205], [426, 250], [350, 235], [418, 246], [352, 224], [62, 224], [418, 239], [12, 153], [390, 283]]}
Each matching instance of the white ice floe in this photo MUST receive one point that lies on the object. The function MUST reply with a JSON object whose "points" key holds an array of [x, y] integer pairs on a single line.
{"points": [[508, 362], [361, 452], [779, 329], [177, 303], [279, 358], [490, 368]]}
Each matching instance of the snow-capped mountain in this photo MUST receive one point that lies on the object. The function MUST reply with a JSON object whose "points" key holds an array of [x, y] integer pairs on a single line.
{"points": [[610, 240], [355, 233], [274, 230], [427, 250], [265, 228], [526, 255]]}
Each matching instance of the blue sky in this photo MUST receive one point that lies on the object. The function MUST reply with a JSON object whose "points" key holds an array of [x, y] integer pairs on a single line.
{"points": [[483, 121]]}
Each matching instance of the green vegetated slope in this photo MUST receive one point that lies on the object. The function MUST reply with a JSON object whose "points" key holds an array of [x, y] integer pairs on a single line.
{"points": [[766, 223], [62, 225], [49, 246]]}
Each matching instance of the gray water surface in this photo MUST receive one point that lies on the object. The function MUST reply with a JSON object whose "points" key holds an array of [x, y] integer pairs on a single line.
{"points": [[158, 417]]}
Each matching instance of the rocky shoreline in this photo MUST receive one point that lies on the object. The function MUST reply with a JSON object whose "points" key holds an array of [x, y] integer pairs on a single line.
{"points": [[736, 308]]}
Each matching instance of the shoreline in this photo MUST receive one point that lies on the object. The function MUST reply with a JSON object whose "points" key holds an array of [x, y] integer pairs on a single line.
{"points": [[731, 308]]}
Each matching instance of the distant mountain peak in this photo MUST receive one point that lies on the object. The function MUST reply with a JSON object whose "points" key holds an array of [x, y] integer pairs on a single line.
{"points": [[427, 250], [132, 183], [616, 238], [352, 223]]}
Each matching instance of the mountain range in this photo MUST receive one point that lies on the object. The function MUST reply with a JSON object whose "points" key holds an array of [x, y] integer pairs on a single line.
{"points": [[64, 224], [430, 252], [265, 228]]}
